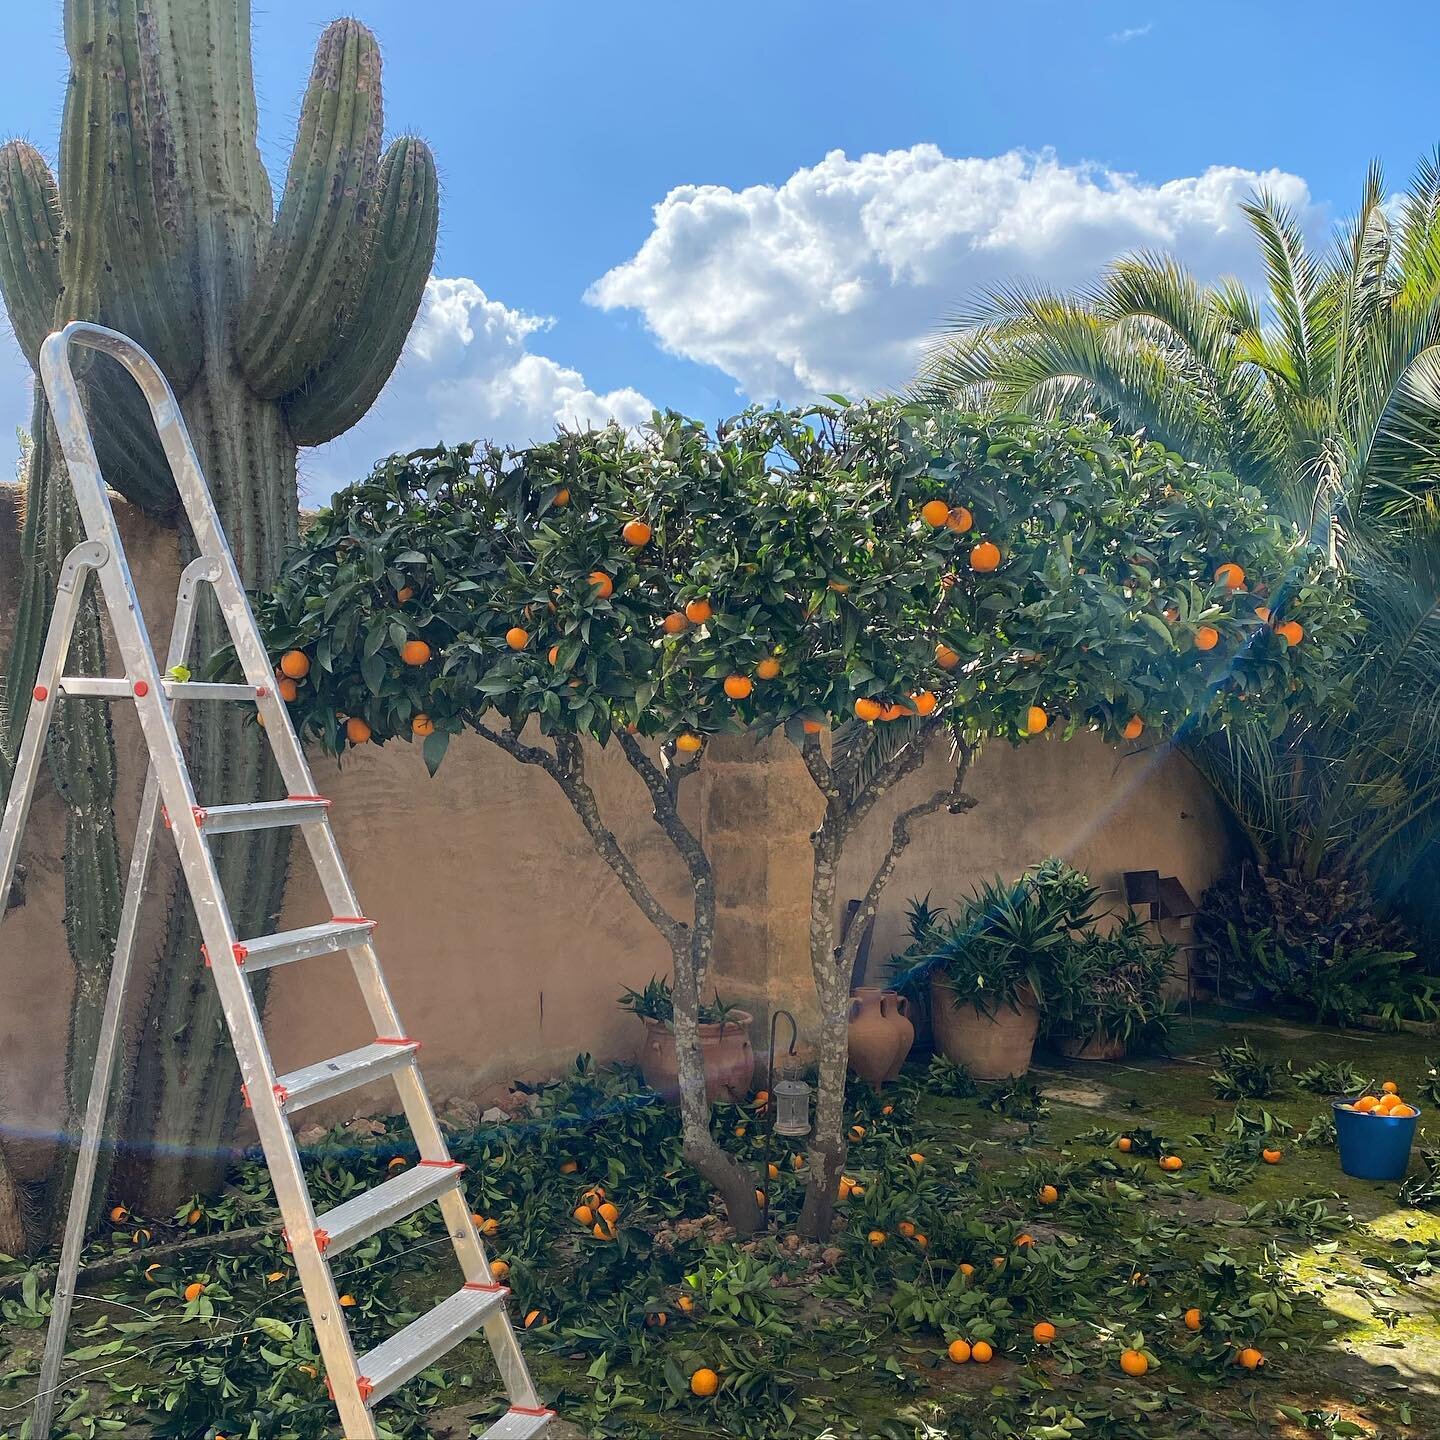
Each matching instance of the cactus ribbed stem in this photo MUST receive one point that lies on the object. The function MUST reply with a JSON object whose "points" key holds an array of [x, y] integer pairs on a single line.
{"points": [[313, 261], [164, 226], [392, 285]]}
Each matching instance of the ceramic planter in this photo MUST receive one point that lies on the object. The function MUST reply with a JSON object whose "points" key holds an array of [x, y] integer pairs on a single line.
{"points": [[991, 1047], [726, 1051], [898, 1007], [880, 1035], [1098, 1047]]}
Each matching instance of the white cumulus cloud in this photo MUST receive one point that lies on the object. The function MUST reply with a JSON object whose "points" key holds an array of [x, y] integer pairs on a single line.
{"points": [[469, 372], [834, 279]]}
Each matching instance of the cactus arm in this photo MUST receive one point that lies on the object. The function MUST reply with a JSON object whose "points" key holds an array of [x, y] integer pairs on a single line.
{"points": [[398, 259], [312, 263], [85, 152], [30, 228], [149, 291]]}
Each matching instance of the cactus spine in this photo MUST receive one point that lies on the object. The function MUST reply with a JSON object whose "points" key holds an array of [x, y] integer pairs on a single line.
{"points": [[275, 331]]}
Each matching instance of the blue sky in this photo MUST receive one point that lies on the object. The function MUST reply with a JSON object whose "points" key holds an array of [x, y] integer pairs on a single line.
{"points": [[837, 175]]}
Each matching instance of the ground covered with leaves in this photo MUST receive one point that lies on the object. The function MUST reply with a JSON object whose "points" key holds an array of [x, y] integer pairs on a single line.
{"points": [[950, 1233]]}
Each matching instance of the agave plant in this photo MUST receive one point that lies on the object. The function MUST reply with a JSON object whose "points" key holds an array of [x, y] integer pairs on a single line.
{"points": [[1325, 394]]}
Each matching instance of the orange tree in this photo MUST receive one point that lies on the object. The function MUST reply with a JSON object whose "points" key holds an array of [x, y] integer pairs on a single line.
{"points": [[882, 572]]}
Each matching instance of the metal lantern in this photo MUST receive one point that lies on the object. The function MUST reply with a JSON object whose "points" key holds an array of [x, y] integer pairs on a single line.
{"points": [[792, 1107]]}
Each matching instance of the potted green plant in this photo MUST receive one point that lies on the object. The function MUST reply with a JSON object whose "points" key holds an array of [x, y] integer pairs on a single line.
{"points": [[724, 1043], [1105, 993], [986, 966]]}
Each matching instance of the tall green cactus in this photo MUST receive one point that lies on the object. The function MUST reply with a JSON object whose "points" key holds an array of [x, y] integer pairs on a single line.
{"points": [[276, 331]]}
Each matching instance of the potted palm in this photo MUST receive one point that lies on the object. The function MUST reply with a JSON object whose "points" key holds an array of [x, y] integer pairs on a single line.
{"points": [[986, 966], [1105, 993], [724, 1043]]}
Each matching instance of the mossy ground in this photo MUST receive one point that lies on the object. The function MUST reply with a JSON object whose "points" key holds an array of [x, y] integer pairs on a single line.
{"points": [[1330, 1276]]}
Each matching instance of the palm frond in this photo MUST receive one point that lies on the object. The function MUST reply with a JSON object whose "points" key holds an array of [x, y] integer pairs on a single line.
{"points": [[1293, 281]]}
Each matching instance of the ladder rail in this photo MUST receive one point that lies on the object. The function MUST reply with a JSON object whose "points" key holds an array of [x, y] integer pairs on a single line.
{"points": [[168, 782], [108, 1044]]}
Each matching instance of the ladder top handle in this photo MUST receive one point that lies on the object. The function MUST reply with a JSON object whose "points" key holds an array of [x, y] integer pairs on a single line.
{"points": [[59, 381]]}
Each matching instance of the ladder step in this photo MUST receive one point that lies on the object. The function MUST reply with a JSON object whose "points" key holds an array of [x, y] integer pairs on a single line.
{"points": [[328, 1078], [422, 1342], [119, 688], [367, 1214], [263, 814], [341, 933], [519, 1425]]}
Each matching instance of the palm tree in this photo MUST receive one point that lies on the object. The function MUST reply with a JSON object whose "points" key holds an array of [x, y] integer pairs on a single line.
{"points": [[1325, 394]]}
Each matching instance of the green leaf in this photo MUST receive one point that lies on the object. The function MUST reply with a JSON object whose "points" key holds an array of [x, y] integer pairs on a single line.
{"points": [[434, 749]]}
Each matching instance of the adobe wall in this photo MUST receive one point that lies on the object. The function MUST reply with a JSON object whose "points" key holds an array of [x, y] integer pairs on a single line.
{"points": [[507, 940]]}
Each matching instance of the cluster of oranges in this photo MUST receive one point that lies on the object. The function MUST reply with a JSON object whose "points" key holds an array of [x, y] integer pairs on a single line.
{"points": [[597, 1214], [1387, 1105]]}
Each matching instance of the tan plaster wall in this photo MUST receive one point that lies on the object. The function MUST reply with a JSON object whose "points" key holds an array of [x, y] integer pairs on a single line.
{"points": [[506, 939]]}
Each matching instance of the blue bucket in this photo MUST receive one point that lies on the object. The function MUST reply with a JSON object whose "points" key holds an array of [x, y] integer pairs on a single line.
{"points": [[1374, 1147]]}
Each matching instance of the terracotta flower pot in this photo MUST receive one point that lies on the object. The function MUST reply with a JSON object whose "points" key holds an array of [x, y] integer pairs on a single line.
{"points": [[991, 1047], [897, 1009], [1098, 1047], [873, 1036], [725, 1049]]}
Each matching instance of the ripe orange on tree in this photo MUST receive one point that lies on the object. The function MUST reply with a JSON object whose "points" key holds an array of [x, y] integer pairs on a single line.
{"points": [[295, 664], [1035, 720], [966, 1268], [635, 533], [517, 637], [1133, 726], [357, 732], [584, 1215], [685, 1303], [946, 658], [288, 690], [414, 652], [601, 584], [907, 1229], [534, 1318], [924, 702], [985, 557], [674, 623], [1230, 575], [1292, 631], [737, 687], [959, 520], [704, 1383], [1044, 1332], [958, 1351], [1251, 1358], [193, 1291], [687, 742], [916, 1158], [1207, 637], [697, 612], [877, 1238], [768, 668], [982, 1352], [867, 709], [404, 593], [935, 512], [1133, 1362], [500, 1269], [569, 1167]]}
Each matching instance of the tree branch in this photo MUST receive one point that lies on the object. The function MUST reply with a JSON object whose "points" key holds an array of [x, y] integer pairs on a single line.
{"points": [[951, 798], [905, 761], [566, 766], [820, 770]]}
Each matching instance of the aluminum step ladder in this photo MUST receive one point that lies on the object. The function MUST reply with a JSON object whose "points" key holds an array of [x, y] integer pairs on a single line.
{"points": [[357, 1382]]}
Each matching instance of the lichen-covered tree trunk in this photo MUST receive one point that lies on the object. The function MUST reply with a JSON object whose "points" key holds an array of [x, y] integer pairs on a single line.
{"points": [[274, 330]]}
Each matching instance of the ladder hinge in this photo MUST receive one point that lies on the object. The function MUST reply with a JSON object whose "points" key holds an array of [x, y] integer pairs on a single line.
{"points": [[445, 1164], [281, 1095], [322, 1240], [313, 799], [362, 1384], [490, 1289], [237, 950], [397, 1040], [352, 919], [198, 811]]}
